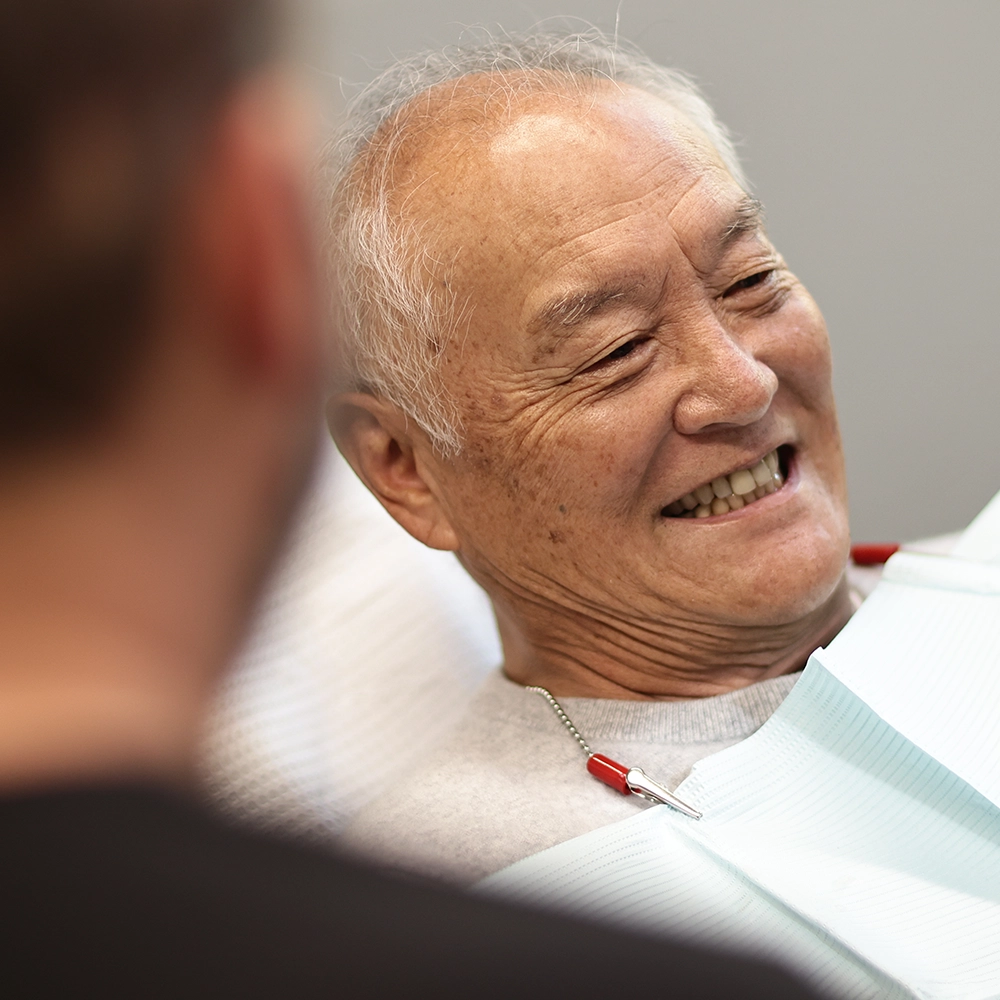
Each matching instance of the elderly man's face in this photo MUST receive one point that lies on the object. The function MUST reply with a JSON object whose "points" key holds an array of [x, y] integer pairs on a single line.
{"points": [[633, 340]]}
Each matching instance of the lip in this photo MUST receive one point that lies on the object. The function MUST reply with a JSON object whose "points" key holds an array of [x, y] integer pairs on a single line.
{"points": [[789, 458]]}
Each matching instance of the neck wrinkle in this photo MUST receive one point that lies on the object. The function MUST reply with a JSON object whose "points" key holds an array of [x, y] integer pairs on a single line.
{"points": [[584, 658]]}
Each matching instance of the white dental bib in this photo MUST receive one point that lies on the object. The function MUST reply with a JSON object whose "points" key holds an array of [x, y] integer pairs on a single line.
{"points": [[856, 835]]}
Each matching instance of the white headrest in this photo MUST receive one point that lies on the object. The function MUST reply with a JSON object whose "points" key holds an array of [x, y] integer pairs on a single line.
{"points": [[368, 648]]}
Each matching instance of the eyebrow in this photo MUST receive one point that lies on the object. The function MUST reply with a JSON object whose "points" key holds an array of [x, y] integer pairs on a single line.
{"points": [[571, 310], [747, 217]]}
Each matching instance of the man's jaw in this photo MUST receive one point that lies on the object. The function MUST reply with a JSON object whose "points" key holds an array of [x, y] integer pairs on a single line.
{"points": [[734, 491]]}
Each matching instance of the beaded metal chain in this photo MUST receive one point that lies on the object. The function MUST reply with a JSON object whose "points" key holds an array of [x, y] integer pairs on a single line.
{"points": [[627, 780]]}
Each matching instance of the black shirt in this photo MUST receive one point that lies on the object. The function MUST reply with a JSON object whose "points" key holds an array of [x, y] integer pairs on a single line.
{"points": [[136, 892]]}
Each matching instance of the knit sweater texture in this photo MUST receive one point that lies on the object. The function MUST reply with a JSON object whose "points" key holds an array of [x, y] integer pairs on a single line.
{"points": [[511, 780]]}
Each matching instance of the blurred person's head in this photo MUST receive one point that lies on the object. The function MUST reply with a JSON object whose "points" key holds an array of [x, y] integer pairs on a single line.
{"points": [[577, 360], [160, 357]]}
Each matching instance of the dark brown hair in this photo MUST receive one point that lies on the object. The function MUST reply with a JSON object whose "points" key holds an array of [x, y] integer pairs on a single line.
{"points": [[100, 103]]}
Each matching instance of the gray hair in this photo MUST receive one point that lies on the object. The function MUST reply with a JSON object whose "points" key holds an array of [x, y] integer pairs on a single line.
{"points": [[393, 326]]}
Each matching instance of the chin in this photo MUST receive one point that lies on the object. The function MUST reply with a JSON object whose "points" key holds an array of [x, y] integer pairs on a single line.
{"points": [[790, 587]]}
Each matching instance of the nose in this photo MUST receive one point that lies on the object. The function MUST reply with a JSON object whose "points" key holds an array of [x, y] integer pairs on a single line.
{"points": [[728, 385]]}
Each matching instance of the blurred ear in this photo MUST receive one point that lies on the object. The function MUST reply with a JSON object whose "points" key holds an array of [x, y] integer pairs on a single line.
{"points": [[389, 455], [253, 243]]}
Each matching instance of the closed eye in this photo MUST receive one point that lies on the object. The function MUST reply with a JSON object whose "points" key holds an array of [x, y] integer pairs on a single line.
{"points": [[619, 353], [751, 282]]}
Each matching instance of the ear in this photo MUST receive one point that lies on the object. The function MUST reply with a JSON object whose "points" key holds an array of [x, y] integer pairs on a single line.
{"points": [[392, 458], [255, 250]]}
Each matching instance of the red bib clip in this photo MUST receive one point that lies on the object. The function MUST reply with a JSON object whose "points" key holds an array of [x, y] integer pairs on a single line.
{"points": [[610, 772], [873, 554]]}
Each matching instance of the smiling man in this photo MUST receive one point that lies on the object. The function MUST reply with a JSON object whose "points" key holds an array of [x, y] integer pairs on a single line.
{"points": [[579, 363]]}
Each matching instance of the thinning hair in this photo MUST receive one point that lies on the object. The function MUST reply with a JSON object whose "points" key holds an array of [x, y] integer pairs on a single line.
{"points": [[101, 102], [393, 324]]}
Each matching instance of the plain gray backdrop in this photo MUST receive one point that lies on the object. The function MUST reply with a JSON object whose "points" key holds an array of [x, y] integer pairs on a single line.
{"points": [[870, 132]]}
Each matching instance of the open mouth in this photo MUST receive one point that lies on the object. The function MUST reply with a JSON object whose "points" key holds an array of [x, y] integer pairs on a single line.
{"points": [[738, 489]]}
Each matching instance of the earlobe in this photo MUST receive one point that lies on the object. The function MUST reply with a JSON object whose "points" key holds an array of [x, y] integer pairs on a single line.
{"points": [[390, 458]]}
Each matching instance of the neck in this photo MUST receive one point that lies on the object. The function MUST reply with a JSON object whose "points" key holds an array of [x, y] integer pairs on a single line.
{"points": [[82, 704], [117, 610], [581, 656]]}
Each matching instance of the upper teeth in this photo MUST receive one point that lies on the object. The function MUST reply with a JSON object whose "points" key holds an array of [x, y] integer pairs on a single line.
{"points": [[731, 492]]}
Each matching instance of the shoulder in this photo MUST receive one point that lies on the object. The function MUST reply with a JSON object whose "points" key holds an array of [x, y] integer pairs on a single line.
{"points": [[148, 894], [134, 892]]}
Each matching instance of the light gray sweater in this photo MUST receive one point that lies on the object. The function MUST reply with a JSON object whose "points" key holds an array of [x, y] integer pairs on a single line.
{"points": [[511, 780]]}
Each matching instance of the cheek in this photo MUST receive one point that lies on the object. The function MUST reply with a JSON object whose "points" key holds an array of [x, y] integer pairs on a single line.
{"points": [[595, 461], [806, 372], [569, 450], [798, 351], [553, 496]]}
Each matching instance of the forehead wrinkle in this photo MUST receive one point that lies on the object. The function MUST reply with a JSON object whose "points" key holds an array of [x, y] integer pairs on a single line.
{"points": [[570, 310], [740, 220], [564, 313]]}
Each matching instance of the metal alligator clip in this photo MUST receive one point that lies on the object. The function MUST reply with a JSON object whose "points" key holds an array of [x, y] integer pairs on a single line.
{"points": [[639, 783], [635, 781]]}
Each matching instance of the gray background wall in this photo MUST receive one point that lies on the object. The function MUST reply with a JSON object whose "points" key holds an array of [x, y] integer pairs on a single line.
{"points": [[870, 131]]}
